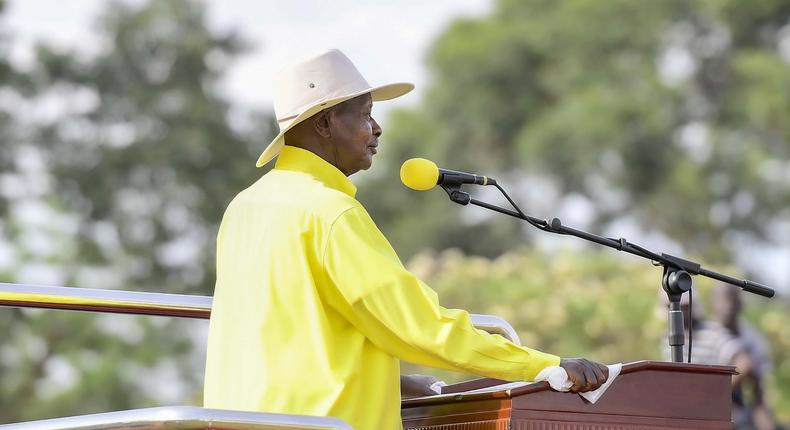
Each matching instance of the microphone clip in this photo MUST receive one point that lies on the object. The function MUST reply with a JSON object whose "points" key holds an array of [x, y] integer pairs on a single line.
{"points": [[454, 192]]}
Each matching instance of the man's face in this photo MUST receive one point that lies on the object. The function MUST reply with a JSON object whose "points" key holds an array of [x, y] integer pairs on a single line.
{"points": [[355, 134]]}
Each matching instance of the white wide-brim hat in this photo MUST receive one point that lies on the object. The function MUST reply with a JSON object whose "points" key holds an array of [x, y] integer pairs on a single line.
{"points": [[306, 88]]}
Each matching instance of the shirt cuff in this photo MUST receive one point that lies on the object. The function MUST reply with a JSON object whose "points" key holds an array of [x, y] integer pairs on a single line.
{"points": [[539, 361]]}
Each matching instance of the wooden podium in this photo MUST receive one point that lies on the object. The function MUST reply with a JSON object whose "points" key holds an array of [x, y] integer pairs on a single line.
{"points": [[647, 395]]}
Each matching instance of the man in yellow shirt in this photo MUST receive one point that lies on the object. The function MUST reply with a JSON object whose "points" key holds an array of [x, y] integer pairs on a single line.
{"points": [[313, 310]]}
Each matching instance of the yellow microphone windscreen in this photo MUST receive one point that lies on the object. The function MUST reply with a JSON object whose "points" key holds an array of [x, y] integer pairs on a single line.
{"points": [[419, 174]]}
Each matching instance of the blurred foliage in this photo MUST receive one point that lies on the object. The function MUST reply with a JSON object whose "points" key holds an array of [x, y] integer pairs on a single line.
{"points": [[590, 304], [672, 114], [56, 364], [150, 158], [116, 168]]}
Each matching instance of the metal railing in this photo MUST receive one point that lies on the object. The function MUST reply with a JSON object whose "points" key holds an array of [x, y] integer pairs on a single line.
{"points": [[172, 417], [183, 418], [160, 304]]}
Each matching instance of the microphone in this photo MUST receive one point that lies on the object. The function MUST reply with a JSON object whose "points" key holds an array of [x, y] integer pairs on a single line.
{"points": [[421, 175]]}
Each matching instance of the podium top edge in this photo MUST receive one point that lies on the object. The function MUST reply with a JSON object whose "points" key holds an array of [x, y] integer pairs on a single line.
{"points": [[632, 367], [637, 366]]}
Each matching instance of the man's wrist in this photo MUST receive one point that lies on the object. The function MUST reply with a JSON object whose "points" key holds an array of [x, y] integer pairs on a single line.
{"points": [[540, 361]]}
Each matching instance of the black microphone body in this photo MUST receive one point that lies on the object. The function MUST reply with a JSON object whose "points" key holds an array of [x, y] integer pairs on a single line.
{"points": [[454, 177]]}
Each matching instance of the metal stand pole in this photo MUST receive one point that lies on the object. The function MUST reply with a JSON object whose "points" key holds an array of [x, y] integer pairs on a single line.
{"points": [[675, 283]]}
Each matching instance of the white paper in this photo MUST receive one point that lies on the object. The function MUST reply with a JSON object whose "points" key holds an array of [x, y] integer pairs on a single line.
{"points": [[436, 387], [593, 396], [500, 387]]}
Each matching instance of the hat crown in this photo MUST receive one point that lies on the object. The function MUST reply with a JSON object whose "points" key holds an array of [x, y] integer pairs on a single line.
{"points": [[315, 80]]}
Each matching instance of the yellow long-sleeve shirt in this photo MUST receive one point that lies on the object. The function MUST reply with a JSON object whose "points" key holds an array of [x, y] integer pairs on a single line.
{"points": [[313, 309]]}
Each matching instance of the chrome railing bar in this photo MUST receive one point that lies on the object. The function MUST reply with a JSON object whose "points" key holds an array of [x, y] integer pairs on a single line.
{"points": [[159, 304], [183, 418], [496, 325], [112, 301]]}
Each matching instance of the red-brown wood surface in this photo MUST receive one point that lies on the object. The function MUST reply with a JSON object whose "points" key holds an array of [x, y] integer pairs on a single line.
{"points": [[646, 395]]}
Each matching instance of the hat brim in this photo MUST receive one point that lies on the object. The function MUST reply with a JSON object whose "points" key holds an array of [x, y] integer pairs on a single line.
{"points": [[380, 93]]}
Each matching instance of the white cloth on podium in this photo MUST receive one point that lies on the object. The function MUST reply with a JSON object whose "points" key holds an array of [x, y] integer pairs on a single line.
{"points": [[558, 379]]}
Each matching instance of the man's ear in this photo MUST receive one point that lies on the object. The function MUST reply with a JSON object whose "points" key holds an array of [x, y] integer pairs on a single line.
{"points": [[321, 124]]}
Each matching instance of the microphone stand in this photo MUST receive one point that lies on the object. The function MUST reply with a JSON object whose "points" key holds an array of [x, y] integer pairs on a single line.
{"points": [[676, 277]]}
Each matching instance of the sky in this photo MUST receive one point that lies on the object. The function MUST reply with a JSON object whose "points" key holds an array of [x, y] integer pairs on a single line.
{"points": [[387, 40]]}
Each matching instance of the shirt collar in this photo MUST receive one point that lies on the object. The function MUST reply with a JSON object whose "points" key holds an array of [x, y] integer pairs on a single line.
{"points": [[301, 160]]}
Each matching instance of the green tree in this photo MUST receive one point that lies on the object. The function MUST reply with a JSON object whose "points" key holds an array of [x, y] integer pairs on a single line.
{"points": [[141, 158], [152, 158], [590, 304], [670, 113]]}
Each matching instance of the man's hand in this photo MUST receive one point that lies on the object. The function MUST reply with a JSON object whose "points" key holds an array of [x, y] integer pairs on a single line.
{"points": [[416, 385], [585, 375]]}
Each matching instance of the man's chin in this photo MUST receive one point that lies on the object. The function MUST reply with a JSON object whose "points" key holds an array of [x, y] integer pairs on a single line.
{"points": [[362, 166]]}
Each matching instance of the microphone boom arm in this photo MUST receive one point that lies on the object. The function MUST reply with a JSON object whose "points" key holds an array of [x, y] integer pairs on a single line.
{"points": [[621, 244], [676, 278]]}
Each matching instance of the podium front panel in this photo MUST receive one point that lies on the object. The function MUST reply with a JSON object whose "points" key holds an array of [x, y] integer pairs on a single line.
{"points": [[646, 395]]}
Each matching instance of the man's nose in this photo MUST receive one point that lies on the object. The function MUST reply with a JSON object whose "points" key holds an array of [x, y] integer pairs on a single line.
{"points": [[376, 129]]}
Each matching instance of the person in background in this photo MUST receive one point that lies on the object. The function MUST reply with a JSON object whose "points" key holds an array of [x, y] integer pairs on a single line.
{"points": [[754, 411], [711, 343]]}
